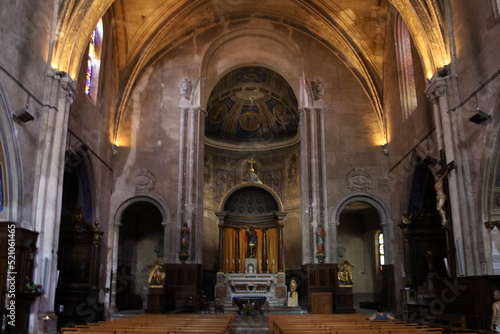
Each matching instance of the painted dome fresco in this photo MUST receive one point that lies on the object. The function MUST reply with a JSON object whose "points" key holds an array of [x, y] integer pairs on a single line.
{"points": [[252, 105]]}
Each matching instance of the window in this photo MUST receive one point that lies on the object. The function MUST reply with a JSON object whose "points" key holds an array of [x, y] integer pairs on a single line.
{"points": [[93, 62], [380, 260], [406, 74]]}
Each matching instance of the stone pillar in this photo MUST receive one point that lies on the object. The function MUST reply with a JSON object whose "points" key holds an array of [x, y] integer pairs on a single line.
{"points": [[450, 139], [264, 250], [190, 197], [58, 95], [313, 182]]}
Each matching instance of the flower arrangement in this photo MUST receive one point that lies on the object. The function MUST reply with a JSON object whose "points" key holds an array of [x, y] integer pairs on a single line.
{"points": [[248, 309], [31, 287]]}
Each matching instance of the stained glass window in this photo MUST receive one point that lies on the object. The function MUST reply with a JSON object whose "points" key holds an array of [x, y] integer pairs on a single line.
{"points": [[93, 62], [406, 73], [380, 250]]}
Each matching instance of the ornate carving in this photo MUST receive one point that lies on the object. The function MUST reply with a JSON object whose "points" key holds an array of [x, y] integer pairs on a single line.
{"points": [[436, 89], [144, 180], [318, 89], [185, 88], [359, 179]]}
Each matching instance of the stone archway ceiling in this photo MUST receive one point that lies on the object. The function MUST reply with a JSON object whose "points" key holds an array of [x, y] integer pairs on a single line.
{"points": [[252, 105], [355, 30]]}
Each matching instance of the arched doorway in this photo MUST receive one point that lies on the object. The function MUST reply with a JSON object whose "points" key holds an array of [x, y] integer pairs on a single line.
{"points": [[140, 244], [358, 242]]}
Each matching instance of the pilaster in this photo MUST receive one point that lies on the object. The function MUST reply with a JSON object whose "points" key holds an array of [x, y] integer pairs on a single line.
{"points": [[442, 92], [58, 96], [313, 164], [191, 152]]}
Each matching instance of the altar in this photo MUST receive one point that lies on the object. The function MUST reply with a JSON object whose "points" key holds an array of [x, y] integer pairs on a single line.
{"points": [[260, 289]]}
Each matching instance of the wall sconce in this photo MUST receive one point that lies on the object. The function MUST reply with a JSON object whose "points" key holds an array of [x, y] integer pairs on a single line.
{"points": [[385, 149], [479, 117], [115, 149]]}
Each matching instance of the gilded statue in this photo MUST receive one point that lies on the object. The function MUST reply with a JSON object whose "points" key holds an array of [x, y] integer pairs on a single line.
{"points": [[344, 274], [157, 274]]}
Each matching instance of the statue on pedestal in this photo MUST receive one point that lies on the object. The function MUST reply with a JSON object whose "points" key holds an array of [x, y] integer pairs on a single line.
{"points": [[344, 274], [252, 243], [293, 296], [157, 274]]}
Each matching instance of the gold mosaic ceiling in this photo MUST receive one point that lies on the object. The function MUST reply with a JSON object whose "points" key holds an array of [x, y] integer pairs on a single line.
{"points": [[252, 104]]}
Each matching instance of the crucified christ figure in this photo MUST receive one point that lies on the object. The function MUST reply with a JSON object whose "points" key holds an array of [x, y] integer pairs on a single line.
{"points": [[439, 187]]}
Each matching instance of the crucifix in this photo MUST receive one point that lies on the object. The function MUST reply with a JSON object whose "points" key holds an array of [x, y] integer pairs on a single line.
{"points": [[251, 161], [439, 177]]}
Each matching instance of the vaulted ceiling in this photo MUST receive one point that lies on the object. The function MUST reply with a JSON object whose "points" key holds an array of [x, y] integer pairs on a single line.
{"points": [[354, 30]]}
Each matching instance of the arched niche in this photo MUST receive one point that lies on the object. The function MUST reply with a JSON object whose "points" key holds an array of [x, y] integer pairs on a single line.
{"points": [[251, 230]]}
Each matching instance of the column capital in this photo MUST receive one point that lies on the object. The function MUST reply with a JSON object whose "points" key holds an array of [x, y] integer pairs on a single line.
{"points": [[436, 89]]}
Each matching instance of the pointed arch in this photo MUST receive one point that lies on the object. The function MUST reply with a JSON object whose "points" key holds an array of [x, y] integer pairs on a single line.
{"points": [[9, 163]]}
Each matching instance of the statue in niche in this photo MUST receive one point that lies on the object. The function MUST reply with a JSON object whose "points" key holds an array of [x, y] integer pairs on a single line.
{"points": [[252, 243], [157, 274], [344, 274]]}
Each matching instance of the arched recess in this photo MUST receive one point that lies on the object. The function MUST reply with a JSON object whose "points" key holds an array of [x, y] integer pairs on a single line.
{"points": [[251, 228], [240, 44], [359, 219], [490, 195], [10, 181], [378, 204], [140, 238]]}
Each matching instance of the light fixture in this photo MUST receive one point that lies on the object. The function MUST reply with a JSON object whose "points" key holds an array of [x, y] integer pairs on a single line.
{"points": [[23, 115], [115, 149], [479, 117], [385, 149]]}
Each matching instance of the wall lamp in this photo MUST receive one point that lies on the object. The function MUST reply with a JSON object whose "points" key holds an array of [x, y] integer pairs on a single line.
{"points": [[385, 149], [479, 117], [115, 149]]}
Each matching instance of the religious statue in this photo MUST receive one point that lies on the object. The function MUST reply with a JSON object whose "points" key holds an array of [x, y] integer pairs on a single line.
{"points": [[185, 87], [252, 243], [318, 89], [344, 274], [440, 194], [157, 274], [184, 254], [185, 238], [293, 296], [320, 239]]}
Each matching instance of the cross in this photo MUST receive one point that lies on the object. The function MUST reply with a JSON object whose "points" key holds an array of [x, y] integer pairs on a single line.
{"points": [[445, 168], [251, 161], [439, 187]]}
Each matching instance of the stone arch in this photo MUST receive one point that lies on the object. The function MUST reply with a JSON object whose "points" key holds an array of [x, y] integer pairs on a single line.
{"points": [[377, 203], [263, 187], [163, 209], [489, 202], [8, 149], [216, 64]]}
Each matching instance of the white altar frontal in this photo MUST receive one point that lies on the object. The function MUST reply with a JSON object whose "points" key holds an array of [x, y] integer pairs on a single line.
{"points": [[268, 289]]}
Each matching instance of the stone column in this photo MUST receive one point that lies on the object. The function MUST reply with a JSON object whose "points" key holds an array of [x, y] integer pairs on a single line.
{"points": [[313, 181], [449, 128], [190, 197], [58, 95]]}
